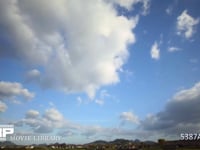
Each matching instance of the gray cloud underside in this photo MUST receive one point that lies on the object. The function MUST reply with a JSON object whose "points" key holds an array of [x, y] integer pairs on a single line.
{"points": [[181, 114]]}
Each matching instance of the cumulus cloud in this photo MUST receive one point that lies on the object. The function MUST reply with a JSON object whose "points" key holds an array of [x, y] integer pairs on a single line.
{"points": [[79, 45], [129, 117], [181, 114], [51, 120], [53, 114], [32, 114], [46, 123], [155, 51], [9, 90], [3, 107], [186, 24]]}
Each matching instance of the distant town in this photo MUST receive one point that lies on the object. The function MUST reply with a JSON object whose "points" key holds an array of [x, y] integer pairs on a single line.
{"points": [[118, 144]]}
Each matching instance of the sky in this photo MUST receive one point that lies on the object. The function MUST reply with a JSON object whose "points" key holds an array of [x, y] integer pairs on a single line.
{"points": [[100, 69]]}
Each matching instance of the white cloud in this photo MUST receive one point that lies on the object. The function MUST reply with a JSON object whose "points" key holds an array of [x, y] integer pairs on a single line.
{"points": [[9, 90], [53, 114], [155, 51], [46, 123], [146, 7], [76, 51], [186, 24], [32, 114], [3, 107], [188, 94], [103, 95], [173, 49], [129, 117]]}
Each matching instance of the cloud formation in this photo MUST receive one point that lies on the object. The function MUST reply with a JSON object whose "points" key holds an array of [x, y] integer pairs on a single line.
{"points": [[53, 121], [186, 24], [155, 51], [43, 123], [129, 117], [53, 114], [181, 114], [12, 91], [9, 90], [32, 114], [79, 45]]}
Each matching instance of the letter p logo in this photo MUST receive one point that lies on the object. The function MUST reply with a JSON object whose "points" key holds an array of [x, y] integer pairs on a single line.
{"points": [[5, 130]]}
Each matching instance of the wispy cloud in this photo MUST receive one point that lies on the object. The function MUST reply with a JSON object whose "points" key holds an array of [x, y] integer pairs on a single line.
{"points": [[186, 24], [99, 101], [173, 49], [171, 7], [169, 10], [194, 60]]}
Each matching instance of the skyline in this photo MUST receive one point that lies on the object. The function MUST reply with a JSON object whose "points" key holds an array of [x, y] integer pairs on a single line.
{"points": [[100, 69]]}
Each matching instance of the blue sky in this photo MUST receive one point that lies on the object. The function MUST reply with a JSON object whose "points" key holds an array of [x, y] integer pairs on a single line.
{"points": [[100, 69]]}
